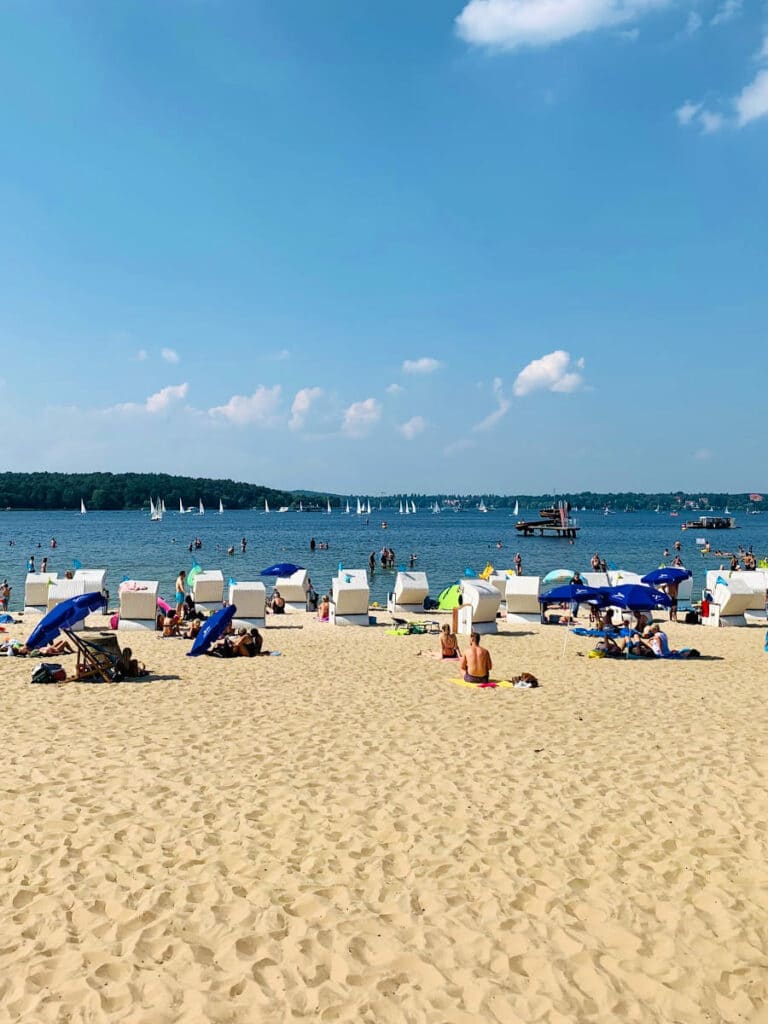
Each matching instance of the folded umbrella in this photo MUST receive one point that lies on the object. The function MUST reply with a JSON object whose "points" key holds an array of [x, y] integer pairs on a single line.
{"points": [[211, 630]]}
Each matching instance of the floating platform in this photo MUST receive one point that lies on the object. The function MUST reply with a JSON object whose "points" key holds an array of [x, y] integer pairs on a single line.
{"points": [[554, 522]]}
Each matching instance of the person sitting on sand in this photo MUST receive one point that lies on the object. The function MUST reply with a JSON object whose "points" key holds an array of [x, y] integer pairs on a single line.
{"points": [[171, 625], [476, 663], [188, 609], [449, 646], [277, 604], [193, 629], [130, 666], [324, 611]]}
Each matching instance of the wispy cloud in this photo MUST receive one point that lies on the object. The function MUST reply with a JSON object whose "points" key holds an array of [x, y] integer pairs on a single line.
{"points": [[261, 407], [461, 444], [752, 101], [510, 24], [393, 389], [727, 11], [302, 403], [415, 426], [686, 113], [170, 355], [749, 105], [159, 402], [360, 417], [424, 365], [141, 355], [553, 372], [281, 355], [694, 23], [501, 410]]}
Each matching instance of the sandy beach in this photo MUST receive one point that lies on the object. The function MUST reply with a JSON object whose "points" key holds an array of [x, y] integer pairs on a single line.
{"points": [[343, 834]]}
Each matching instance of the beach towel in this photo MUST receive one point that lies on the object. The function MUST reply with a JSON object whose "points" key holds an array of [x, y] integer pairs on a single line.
{"points": [[582, 631], [492, 684]]}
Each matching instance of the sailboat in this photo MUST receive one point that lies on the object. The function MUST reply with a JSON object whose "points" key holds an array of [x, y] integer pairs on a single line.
{"points": [[83, 509], [436, 510], [657, 509], [346, 511], [182, 510], [413, 507], [359, 508], [328, 507], [725, 510], [516, 510], [200, 507], [369, 506], [481, 507], [162, 505], [221, 507], [407, 508], [400, 510], [266, 507], [301, 507], [155, 513]]}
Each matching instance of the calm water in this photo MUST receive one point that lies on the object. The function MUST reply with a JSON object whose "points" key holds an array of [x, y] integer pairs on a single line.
{"points": [[128, 544]]}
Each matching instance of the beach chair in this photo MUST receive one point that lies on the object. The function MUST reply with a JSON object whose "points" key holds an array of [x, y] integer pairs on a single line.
{"points": [[250, 601], [97, 659], [409, 593], [479, 606], [732, 597], [63, 589], [349, 598], [208, 590], [138, 604], [522, 597], [293, 590], [36, 587]]}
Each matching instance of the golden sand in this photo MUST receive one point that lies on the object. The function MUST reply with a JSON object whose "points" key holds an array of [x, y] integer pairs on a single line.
{"points": [[342, 834]]}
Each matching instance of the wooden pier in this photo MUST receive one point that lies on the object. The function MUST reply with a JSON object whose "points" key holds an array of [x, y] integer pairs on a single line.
{"points": [[554, 522]]}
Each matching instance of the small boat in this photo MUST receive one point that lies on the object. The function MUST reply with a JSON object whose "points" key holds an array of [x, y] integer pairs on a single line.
{"points": [[516, 510], [346, 510], [413, 507], [266, 507], [328, 507], [283, 508], [200, 507], [83, 509], [407, 508], [162, 505], [301, 507], [400, 510], [369, 507], [481, 507], [725, 511], [359, 508], [155, 513], [221, 507], [182, 510], [436, 510]]}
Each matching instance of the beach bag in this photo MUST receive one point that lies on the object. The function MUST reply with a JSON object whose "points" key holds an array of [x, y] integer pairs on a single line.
{"points": [[49, 673], [691, 618]]}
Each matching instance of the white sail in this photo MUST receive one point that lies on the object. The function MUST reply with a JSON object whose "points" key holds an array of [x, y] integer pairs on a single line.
{"points": [[221, 507], [301, 506], [162, 505], [369, 506], [481, 507], [517, 508], [152, 509], [200, 507], [400, 512], [347, 509], [266, 507], [413, 506], [83, 509], [181, 507], [359, 508], [328, 507]]}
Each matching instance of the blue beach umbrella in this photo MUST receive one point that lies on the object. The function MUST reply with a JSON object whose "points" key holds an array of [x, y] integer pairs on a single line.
{"points": [[211, 630], [63, 616], [638, 597], [283, 569], [667, 574], [576, 592]]}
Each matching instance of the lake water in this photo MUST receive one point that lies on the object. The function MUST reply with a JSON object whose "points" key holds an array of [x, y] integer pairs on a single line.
{"points": [[128, 544]]}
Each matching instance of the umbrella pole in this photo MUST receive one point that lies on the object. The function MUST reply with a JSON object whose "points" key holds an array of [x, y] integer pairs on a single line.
{"points": [[565, 640]]}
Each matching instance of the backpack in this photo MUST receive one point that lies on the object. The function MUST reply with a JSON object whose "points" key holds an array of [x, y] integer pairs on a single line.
{"points": [[49, 673]]}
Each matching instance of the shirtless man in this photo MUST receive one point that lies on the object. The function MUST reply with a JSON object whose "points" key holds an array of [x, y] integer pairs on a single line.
{"points": [[476, 664], [181, 586]]}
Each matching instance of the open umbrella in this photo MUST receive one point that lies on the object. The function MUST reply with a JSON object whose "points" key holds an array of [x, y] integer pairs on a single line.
{"points": [[638, 597], [558, 576], [64, 615], [281, 569], [667, 574], [211, 630], [578, 593]]}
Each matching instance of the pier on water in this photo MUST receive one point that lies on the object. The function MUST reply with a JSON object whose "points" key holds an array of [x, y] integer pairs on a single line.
{"points": [[554, 522]]}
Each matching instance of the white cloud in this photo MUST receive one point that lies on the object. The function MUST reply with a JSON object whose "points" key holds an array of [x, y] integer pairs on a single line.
{"points": [[360, 417], [710, 122], [502, 408], [763, 52], [752, 101], [416, 425], [260, 407], [686, 113], [162, 399], [282, 355], [508, 24], [726, 12], [461, 444], [553, 372], [694, 23], [301, 406], [393, 389], [141, 355], [170, 355], [424, 365]]}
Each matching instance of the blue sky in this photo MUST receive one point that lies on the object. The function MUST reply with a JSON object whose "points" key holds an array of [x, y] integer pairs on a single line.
{"points": [[489, 245]]}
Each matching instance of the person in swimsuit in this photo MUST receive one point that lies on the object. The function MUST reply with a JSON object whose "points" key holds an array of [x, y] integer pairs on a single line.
{"points": [[181, 586], [476, 664], [449, 646]]}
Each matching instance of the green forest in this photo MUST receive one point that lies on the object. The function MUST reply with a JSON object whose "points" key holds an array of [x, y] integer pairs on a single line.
{"points": [[130, 491]]}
